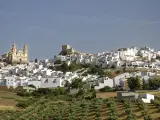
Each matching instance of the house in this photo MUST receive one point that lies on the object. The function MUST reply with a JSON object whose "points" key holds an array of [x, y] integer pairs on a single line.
{"points": [[52, 82], [105, 81], [120, 78], [11, 82], [125, 95], [35, 82], [14, 81], [143, 75], [146, 98], [2, 81]]}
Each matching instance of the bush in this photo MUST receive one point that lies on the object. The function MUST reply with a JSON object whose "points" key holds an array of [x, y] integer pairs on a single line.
{"points": [[148, 117], [113, 117], [11, 89], [106, 89], [113, 66], [58, 62], [86, 65], [22, 105], [25, 103], [24, 94], [80, 92], [64, 97], [32, 86], [144, 113], [44, 91], [35, 93], [73, 67]]}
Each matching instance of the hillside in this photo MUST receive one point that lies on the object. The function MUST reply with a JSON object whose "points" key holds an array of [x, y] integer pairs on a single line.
{"points": [[96, 109]]}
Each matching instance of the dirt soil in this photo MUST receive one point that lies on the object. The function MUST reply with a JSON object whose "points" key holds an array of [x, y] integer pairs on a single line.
{"points": [[7, 98], [106, 95]]}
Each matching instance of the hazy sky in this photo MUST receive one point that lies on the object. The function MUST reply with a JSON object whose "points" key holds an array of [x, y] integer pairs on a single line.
{"points": [[87, 25]]}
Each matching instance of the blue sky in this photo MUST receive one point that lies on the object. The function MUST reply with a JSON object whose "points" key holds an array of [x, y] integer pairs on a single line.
{"points": [[87, 25]]}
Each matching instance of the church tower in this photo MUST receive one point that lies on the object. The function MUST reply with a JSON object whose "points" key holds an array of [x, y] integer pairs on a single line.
{"points": [[17, 56], [25, 49], [13, 49], [25, 52]]}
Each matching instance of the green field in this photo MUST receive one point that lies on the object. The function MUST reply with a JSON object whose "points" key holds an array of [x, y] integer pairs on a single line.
{"points": [[62, 108], [53, 110]]}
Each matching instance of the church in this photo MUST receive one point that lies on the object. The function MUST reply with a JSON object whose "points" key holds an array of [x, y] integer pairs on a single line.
{"points": [[15, 56]]}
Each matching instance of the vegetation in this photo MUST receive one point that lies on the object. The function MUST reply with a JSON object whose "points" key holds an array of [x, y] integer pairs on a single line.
{"points": [[97, 71], [128, 110], [77, 83], [154, 83], [145, 86], [106, 89], [134, 83], [51, 106], [64, 67], [36, 60], [58, 62]]}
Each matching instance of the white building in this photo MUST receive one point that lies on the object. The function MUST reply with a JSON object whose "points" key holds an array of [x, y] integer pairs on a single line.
{"points": [[146, 98], [102, 82], [35, 82], [52, 82], [120, 79], [14, 81]]}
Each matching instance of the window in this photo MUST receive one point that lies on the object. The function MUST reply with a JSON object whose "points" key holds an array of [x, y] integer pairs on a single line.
{"points": [[45, 81], [54, 81]]}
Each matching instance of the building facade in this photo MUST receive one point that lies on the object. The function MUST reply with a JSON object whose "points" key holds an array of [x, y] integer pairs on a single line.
{"points": [[15, 56]]}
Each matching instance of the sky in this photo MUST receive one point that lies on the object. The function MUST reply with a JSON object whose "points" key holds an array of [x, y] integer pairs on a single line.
{"points": [[87, 25]]}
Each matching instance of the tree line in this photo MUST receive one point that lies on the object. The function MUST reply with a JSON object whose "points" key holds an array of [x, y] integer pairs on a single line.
{"points": [[135, 83]]}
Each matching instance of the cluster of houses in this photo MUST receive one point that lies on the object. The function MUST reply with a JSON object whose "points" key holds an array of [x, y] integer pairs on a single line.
{"points": [[40, 76], [143, 57], [33, 74], [120, 80]]}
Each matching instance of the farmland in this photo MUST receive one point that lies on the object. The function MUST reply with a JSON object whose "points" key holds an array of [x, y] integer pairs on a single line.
{"points": [[96, 109], [7, 99], [113, 94], [66, 107]]}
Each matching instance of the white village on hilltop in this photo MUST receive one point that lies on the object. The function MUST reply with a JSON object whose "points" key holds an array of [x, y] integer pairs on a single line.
{"points": [[121, 64]]}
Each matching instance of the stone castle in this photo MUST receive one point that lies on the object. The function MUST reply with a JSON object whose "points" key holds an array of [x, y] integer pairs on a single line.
{"points": [[66, 50], [15, 56]]}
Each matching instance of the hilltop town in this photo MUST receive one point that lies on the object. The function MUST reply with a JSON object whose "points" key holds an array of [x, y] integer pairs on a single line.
{"points": [[125, 77], [114, 67]]}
